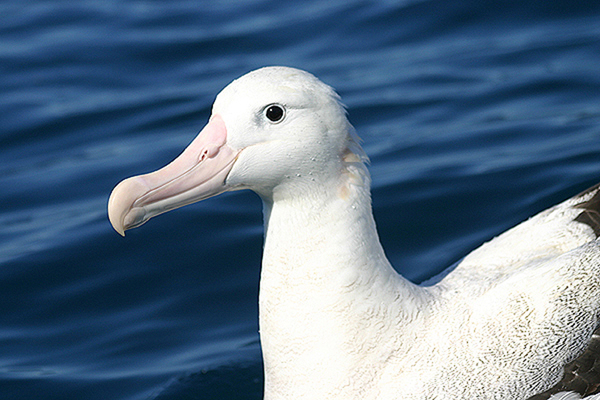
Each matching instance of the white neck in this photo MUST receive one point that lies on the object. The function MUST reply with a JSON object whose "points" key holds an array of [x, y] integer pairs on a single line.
{"points": [[326, 290]]}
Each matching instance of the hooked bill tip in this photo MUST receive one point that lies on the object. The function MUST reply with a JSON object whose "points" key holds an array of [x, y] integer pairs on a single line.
{"points": [[120, 203]]}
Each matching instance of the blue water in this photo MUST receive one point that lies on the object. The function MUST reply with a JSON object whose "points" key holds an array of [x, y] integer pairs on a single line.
{"points": [[475, 114]]}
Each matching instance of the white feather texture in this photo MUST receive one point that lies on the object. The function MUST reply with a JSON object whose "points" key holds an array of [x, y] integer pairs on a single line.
{"points": [[338, 323]]}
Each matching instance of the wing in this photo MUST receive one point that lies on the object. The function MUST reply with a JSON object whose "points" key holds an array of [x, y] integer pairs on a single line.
{"points": [[564, 228], [547, 235], [582, 375]]}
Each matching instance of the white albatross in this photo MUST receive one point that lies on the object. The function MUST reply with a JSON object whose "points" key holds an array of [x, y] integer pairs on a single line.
{"points": [[516, 319]]}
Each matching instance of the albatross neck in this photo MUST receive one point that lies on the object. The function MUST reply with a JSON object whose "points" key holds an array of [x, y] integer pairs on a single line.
{"points": [[325, 240], [326, 286]]}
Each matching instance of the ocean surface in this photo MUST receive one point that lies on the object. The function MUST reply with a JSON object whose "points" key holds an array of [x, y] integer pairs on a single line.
{"points": [[475, 115]]}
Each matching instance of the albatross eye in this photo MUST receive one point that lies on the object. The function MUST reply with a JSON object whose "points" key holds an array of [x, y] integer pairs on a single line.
{"points": [[275, 113]]}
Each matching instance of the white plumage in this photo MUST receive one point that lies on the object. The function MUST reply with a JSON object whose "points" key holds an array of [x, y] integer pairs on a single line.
{"points": [[336, 320]]}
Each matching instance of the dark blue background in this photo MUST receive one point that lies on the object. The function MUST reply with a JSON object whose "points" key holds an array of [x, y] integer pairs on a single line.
{"points": [[476, 115]]}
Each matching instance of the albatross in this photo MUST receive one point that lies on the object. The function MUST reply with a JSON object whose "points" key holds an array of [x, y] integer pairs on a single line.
{"points": [[516, 319]]}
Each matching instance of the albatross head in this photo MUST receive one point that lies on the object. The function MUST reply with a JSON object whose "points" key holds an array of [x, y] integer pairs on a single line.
{"points": [[274, 130]]}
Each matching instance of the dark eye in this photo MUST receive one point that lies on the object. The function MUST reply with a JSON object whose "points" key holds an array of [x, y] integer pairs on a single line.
{"points": [[275, 113]]}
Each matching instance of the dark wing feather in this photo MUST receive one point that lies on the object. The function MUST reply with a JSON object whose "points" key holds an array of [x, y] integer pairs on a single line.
{"points": [[591, 210]]}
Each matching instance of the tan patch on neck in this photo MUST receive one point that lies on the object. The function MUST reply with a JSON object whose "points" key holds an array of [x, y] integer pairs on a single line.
{"points": [[353, 173]]}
